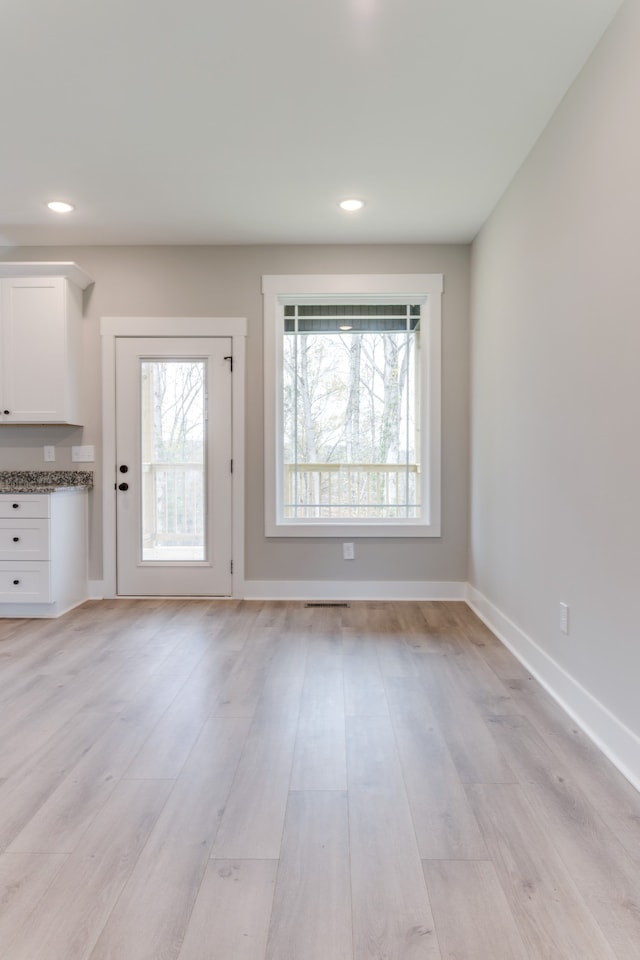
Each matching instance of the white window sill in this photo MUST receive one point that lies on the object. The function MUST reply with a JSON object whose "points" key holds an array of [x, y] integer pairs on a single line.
{"points": [[326, 529]]}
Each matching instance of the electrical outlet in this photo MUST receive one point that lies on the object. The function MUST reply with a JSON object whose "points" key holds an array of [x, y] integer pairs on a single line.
{"points": [[348, 552], [564, 618], [49, 454], [86, 454]]}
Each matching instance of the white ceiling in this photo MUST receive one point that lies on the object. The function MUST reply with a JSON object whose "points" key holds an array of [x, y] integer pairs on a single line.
{"points": [[246, 121]]}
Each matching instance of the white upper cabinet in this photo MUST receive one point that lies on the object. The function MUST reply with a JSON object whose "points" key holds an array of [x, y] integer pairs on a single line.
{"points": [[40, 342]]}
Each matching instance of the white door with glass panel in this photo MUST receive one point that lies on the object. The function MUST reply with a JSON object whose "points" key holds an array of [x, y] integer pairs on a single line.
{"points": [[173, 442]]}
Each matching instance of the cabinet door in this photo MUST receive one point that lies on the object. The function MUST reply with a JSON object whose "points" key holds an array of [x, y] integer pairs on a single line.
{"points": [[25, 582], [24, 540], [24, 505], [34, 350]]}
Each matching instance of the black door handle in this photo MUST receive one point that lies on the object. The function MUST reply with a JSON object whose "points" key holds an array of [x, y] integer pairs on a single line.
{"points": [[124, 468], [123, 486]]}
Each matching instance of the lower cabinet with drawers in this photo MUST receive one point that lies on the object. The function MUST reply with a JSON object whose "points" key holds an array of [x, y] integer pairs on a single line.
{"points": [[43, 552]]}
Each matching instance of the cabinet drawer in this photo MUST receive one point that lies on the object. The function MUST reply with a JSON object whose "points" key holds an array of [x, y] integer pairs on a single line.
{"points": [[23, 539], [25, 583], [24, 505]]}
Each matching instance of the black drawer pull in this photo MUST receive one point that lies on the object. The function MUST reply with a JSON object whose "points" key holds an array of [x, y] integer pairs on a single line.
{"points": [[16, 582], [16, 506], [16, 539], [6, 411]]}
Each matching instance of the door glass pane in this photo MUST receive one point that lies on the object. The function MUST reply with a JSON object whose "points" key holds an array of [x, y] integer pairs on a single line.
{"points": [[173, 447]]}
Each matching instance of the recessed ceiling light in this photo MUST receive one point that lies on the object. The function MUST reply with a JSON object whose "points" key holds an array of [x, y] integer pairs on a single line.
{"points": [[59, 206], [352, 205], [345, 326]]}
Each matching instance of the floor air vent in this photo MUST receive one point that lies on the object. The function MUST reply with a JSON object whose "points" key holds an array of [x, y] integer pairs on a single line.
{"points": [[328, 603]]}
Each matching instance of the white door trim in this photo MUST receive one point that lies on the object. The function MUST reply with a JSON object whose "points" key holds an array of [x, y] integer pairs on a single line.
{"points": [[110, 329]]}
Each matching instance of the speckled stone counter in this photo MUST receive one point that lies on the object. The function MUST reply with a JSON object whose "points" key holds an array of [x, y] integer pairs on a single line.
{"points": [[44, 481]]}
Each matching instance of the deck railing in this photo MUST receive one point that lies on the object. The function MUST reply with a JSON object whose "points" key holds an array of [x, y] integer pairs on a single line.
{"points": [[174, 496], [351, 490], [173, 504]]}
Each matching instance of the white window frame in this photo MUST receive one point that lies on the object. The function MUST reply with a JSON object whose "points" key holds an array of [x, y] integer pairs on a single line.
{"points": [[423, 288]]}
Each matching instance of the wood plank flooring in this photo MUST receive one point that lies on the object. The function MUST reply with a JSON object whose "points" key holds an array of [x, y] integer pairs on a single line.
{"points": [[222, 780]]}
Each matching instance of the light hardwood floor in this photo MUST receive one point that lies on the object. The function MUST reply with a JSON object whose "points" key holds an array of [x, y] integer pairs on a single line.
{"points": [[263, 781]]}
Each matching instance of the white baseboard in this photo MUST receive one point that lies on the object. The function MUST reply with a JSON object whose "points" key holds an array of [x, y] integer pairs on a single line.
{"points": [[618, 743], [354, 590], [335, 590]]}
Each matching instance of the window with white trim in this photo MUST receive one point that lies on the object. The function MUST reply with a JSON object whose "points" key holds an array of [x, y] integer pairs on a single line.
{"points": [[352, 405]]}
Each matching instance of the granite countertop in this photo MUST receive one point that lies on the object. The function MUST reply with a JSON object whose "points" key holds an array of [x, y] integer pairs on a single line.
{"points": [[44, 481]]}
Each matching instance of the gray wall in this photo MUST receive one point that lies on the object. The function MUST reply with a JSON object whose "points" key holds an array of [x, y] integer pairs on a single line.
{"points": [[556, 385], [225, 281]]}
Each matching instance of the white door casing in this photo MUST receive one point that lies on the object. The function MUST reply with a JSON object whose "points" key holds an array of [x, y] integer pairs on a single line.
{"points": [[116, 328]]}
